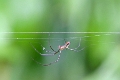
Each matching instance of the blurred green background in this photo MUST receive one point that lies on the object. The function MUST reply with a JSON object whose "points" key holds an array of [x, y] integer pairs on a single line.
{"points": [[96, 62]]}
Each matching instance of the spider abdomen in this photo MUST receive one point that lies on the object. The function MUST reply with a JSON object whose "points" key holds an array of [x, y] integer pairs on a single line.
{"points": [[64, 46]]}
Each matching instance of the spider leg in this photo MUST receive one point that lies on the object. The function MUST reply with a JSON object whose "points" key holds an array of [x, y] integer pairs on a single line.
{"points": [[79, 44], [53, 53], [54, 61], [75, 49], [65, 42], [50, 44], [45, 49], [48, 63]]}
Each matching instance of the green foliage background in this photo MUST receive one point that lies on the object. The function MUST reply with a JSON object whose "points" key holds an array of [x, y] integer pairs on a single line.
{"points": [[98, 62]]}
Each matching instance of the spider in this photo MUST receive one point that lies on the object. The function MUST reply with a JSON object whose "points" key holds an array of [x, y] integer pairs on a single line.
{"points": [[53, 52]]}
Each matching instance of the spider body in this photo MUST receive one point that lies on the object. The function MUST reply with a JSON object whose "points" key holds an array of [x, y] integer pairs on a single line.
{"points": [[53, 52]]}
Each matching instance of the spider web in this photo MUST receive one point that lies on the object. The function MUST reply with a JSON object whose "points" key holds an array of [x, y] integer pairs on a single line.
{"points": [[8, 35], [86, 39], [59, 38]]}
